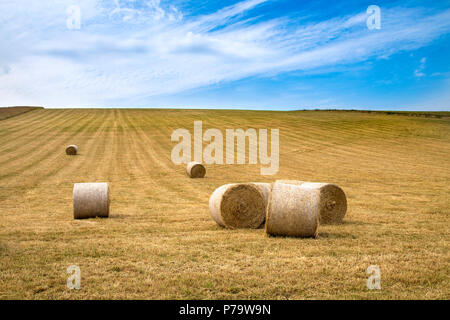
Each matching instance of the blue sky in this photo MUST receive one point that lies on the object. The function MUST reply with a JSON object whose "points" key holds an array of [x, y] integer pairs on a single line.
{"points": [[248, 54]]}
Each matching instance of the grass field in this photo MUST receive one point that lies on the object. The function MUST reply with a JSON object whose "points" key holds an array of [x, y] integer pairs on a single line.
{"points": [[10, 112], [160, 241]]}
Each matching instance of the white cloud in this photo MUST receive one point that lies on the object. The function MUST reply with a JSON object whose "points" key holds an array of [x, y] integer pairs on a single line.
{"points": [[128, 51], [419, 71]]}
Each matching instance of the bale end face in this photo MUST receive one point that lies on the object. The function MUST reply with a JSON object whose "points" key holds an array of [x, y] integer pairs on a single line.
{"points": [[91, 200], [72, 150], [333, 204], [195, 170]]}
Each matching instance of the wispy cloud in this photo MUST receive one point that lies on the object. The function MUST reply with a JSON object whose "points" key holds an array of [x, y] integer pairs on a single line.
{"points": [[128, 51], [419, 71]]}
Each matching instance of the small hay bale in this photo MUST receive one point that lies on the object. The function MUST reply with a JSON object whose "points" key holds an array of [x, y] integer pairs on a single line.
{"points": [[333, 202], [72, 150], [90, 200], [293, 211], [195, 170], [238, 206]]}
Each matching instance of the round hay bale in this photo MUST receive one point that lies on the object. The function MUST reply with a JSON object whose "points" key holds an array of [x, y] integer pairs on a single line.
{"points": [[333, 202], [238, 206], [195, 170], [293, 211], [72, 150], [90, 200], [265, 188]]}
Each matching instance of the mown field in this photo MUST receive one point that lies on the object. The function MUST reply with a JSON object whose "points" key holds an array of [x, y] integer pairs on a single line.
{"points": [[10, 112], [160, 241]]}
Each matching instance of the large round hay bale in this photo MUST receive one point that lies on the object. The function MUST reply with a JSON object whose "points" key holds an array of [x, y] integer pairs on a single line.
{"points": [[265, 188], [293, 211], [237, 206], [333, 202], [195, 170], [90, 200], [72, 150]]}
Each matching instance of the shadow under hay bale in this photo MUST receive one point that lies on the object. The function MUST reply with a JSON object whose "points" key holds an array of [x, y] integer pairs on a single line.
{"points": [[90, 200]]}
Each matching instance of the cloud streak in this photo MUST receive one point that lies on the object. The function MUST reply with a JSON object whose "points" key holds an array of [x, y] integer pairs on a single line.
{"points": [[130, 51]]}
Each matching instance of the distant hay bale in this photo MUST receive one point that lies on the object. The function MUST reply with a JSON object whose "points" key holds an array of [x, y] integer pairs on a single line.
{"points": [[293, 211], [90, 200], [195, 170], [72, 150], [238, 206], [333, 202]]}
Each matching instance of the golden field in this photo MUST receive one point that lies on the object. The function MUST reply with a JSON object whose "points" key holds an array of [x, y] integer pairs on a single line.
{"points": [[160, 242]]}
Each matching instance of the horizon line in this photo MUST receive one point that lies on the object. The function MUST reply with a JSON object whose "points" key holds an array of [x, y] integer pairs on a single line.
{"points": [[244, 109]]}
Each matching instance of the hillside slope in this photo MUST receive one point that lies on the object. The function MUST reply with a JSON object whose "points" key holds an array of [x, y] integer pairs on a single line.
{"points": [[9, 112]]}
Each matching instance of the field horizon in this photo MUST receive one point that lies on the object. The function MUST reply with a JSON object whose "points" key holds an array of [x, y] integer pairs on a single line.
{"points": [[396, 111], [160, 241]]}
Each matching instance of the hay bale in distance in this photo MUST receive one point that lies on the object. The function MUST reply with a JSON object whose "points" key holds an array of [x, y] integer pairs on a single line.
{"points": [[293, 211], [237, 206], [333, 202], [90, 200], [195, 170], [72, 150]]}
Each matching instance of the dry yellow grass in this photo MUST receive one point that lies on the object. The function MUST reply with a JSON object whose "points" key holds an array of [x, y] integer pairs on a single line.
{"points": [[160, 241], [9, 112]]}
